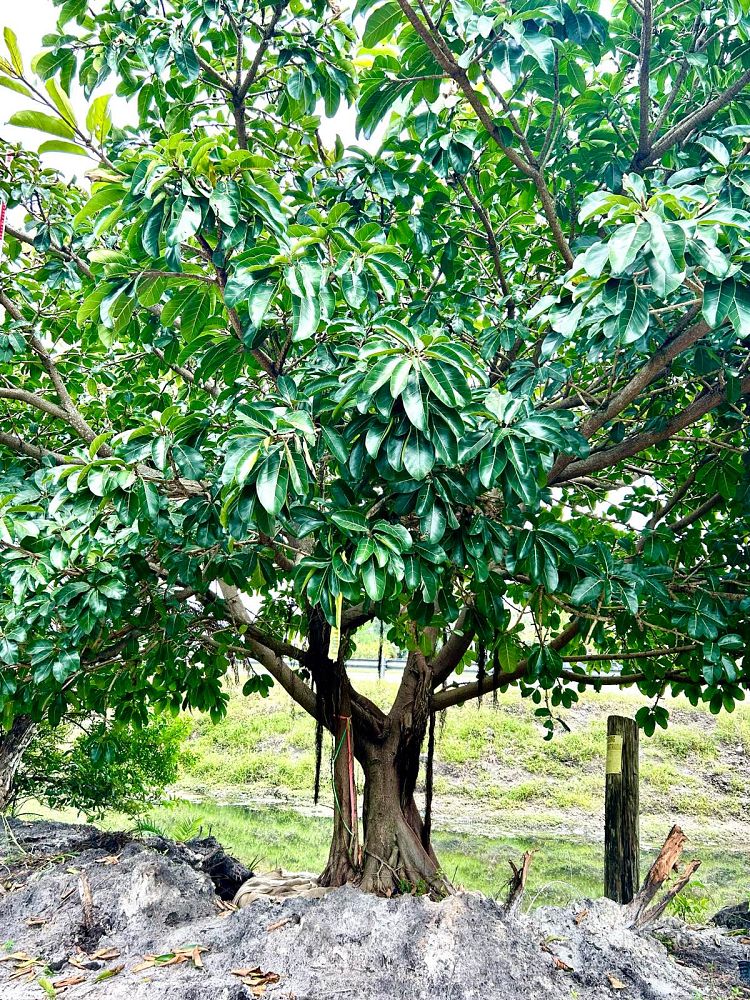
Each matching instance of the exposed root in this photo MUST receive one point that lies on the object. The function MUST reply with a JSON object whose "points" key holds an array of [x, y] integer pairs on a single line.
{"points": [[401, 864]]}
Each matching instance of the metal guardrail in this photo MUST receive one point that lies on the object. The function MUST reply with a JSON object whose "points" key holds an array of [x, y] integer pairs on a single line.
{"points": [[391, 664]]}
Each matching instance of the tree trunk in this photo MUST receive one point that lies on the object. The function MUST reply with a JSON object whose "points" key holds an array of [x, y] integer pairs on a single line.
{"points": [[393, 857], [13, 744]]}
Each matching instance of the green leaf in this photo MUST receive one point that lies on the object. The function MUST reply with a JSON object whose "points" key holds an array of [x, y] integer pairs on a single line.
{"points": [[304, 283], [540, 47], [59, 146], [226, 201], [411, 397], [19, 88], [587, 591], [272, 482], [625, 245], [42, 122], [189, 461], [381, 23], [418, 456], [11, 42], [98, 120], [350, 520], [667, 244], [632, 322], [373, 578], [61, 101], [717, 149]]}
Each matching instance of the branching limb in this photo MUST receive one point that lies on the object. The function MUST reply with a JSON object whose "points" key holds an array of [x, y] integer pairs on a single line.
{"points": [[607, 457]]}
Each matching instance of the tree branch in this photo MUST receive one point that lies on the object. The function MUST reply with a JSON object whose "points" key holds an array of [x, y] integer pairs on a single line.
{"points": [[465, 692], [607, 457], [688, 124], [444, 58], [640, 381], [644, 81]]}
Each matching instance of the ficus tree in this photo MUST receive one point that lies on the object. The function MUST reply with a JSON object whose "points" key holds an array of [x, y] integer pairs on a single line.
{"points": [[484, 378]]}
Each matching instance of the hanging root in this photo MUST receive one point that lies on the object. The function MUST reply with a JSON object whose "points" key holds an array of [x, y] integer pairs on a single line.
{"points": [[642, 910], [481, 669], [517, 882], [495, 674], [428, 784], [318, 759]]}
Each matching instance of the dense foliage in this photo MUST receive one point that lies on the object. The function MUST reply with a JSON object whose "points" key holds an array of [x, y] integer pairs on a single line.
{"points": [[95, 768], [483, 378]]}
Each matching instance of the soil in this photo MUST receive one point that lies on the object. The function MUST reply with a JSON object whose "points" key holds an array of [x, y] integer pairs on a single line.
{"points": [[80, 912]]}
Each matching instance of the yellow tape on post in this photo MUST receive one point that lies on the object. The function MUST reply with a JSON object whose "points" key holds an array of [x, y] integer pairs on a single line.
{"points": [[334, 643], [614, 754]]}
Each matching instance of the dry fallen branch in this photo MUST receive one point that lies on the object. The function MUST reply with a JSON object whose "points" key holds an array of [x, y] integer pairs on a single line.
{"points": [[643, 910], [517, 883]]}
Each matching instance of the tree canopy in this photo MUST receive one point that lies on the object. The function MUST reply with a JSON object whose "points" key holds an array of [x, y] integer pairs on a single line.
{"points": [[481, 374]]}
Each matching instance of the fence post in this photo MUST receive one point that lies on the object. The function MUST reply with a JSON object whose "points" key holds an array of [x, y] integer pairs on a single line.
{"points": [[621, 811]]}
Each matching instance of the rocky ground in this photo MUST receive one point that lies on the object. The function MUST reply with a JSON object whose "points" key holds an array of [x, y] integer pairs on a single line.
{"points": [[87, 915]]}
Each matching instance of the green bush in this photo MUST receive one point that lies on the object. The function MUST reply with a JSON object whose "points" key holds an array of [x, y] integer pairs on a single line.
{"points": [[96, 765]]}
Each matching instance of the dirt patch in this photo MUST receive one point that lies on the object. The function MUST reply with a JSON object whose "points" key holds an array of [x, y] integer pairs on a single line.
{"points": [[347, 944]]}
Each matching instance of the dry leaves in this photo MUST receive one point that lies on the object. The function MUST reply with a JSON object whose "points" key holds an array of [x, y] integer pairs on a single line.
{"points": [[284, 922], [25, 965], [256, 979], [226, 908], [178, 957], [106, 954], [62, 984], [562, 966], [615, 983]]}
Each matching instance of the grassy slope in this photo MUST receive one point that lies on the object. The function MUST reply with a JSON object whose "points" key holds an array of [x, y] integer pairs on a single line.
{"points": [[499, 789]]}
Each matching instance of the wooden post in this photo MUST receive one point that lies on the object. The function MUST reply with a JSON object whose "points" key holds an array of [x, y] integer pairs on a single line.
{"points": [[621, 811]]}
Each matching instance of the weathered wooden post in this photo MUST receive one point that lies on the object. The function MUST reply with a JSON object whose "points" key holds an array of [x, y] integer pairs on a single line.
{"points": [[621, 811]]}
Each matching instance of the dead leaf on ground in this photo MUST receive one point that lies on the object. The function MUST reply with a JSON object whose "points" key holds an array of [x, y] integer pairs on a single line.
{"points": [[106, 954], [256, 979], [562, 966], [224, 906], [615, 983], [284, 922], [178, 957], [62, 984]]}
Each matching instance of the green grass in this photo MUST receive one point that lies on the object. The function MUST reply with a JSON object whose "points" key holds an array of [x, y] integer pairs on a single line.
{"points": [[694, 772]]}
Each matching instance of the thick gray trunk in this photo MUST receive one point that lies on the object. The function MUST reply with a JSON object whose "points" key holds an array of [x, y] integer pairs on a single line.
{"points": [[13, 744]]}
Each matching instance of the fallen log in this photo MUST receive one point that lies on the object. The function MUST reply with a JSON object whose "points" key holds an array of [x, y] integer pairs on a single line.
{"points": [[643, 910]]}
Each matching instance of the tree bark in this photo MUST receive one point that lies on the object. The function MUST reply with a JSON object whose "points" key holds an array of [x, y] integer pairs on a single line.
{"points": [[13, 744], [393, 857]]}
